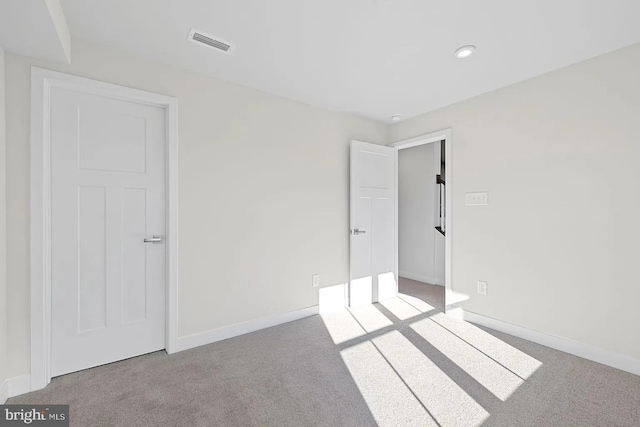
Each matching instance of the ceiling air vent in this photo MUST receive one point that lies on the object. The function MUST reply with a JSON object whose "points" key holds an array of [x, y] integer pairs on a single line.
{"points": [[211, 41]]}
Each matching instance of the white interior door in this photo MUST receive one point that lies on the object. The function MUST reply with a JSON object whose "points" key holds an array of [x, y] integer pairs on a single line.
{"points": [[373, 223], [107, 196]]}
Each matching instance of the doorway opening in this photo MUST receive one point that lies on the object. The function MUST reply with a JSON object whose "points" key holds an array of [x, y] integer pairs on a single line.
{"points": [[423, 218]]}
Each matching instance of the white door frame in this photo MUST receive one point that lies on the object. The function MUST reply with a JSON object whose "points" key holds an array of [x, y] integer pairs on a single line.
{"points": [[42, 81], [428, 139]]}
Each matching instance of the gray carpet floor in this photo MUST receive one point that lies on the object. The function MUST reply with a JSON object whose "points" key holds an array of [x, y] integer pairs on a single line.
{"points": [[400, 363]]}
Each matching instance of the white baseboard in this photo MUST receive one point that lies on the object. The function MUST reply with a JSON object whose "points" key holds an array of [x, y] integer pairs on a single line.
{"points": [[586, 351], [4, 392], [219, 334], [421, 278], [14, 387]]}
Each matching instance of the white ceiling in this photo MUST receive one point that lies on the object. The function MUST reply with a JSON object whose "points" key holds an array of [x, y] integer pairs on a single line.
{"points": [[373, 58]]}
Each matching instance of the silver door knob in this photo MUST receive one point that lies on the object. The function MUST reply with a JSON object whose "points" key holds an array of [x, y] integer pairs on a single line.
{"points": [[156, 240], [356, 231]]}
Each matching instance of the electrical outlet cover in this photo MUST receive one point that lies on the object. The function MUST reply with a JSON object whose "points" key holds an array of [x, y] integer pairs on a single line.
{"points": [[482, 287]]}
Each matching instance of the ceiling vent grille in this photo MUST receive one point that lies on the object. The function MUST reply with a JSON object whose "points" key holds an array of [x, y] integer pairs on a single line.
{"points": [[208, 40]]}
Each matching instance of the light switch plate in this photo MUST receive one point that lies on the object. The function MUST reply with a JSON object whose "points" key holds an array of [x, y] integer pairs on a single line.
{"points": [[476, 199], [315, 280]]}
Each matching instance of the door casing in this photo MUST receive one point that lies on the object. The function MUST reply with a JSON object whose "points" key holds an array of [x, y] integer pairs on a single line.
{"points": [[42, 81], [429, 138]]}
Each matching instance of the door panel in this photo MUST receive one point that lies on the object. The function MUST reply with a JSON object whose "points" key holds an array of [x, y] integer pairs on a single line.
{"points": [[361, 261], [107, 195], [111, 141], [134, 272], [373, 214], [92, 268]]}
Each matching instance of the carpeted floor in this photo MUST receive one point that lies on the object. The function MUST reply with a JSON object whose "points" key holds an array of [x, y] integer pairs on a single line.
{"points": [[393, 364], [431, 294]]}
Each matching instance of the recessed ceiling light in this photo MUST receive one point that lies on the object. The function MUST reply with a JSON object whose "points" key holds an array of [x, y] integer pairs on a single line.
{"points": [[396, 117], [465, 51]]}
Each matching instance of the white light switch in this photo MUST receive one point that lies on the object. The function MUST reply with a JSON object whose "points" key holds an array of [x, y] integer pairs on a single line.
{"points": [[476, 199], [315, 280]]}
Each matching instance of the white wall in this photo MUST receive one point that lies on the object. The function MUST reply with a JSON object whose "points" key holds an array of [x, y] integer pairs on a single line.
{"points": [[558, 242], [417, 214], [3, 235], [263, 193]]}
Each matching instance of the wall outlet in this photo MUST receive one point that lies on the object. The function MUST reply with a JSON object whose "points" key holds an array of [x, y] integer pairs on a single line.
{"points": [[482, 287], [476, 199], [315, 280]]}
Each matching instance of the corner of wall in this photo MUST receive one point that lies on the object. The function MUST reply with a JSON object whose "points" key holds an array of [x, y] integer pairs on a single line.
{"points": [[388, 135]]}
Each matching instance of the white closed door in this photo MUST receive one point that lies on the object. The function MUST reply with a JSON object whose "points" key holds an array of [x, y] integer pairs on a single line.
{"points": [[373, 234], [107, 197]]}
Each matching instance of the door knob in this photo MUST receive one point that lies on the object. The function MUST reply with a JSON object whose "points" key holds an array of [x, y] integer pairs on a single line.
{"points": [[356, 231], [156, 240]]}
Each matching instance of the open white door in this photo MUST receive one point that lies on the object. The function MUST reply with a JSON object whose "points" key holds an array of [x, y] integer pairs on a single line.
{"points": [[373, 224]]}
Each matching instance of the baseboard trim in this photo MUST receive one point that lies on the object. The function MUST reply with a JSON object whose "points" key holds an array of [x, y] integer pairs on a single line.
{"points": [[421, 278], [4, 392], [226, 332], [586, 351], [14, 386]]}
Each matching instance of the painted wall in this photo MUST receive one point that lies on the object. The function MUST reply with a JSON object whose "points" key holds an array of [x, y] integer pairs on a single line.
{"points": [[417, 214], [263, 193], [3, 230], [558, 242]]}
